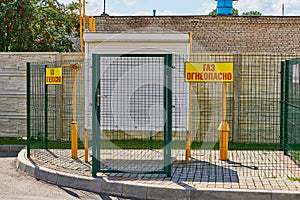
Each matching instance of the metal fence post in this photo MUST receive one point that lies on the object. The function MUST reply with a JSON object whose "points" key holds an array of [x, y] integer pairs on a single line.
{"points": [[237, 65], [28, 109], [282, 102], [168, 115], [286, 101], [95, 123], [46, 110]]}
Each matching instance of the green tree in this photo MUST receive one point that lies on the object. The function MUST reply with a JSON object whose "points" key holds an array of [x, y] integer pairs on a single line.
{"points": [[252, 13], [37, 25], [235, 12]]}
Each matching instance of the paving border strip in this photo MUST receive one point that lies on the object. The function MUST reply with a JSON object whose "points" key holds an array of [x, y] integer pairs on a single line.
{"points": [[11, 148], [143, 191]]}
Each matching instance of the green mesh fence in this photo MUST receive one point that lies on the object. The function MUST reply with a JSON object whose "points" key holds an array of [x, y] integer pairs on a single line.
{"points": [[129, 122], [50, 111], [291, 109]]}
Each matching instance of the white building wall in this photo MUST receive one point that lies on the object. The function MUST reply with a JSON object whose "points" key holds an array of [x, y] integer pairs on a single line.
{"points": [[99, 43]]}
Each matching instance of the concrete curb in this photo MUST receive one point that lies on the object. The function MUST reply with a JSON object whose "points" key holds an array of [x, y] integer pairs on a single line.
{"points": [[143, 191], [11, 148]]}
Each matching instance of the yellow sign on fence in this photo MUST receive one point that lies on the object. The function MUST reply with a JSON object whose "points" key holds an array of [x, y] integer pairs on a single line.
{"points": [[54, 76], [208, 72]]}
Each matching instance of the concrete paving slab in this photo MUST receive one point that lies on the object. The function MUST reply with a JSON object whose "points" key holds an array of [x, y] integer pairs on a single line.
{"points": [[134, 191], [147, 186], [167, 193], [66, 180], [90, 184]]}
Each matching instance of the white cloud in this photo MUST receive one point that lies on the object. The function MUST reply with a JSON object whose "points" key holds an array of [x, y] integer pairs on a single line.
{"points": [[250, 5], [158, 13], [94, 7], [269, 7], [165, 12], [130, 3], [291, 7], [206, 8], [203, 7], [142, 13]]}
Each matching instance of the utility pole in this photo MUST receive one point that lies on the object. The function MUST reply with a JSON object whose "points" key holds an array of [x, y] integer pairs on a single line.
{"points": [[104, 9]]}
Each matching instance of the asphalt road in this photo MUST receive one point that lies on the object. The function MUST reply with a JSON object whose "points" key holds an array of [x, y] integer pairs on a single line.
{"points": [[15, 185]]}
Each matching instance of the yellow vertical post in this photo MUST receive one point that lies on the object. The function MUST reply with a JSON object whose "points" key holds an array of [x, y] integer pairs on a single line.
{"points": [[83, 6], [224, 128], [86, 146], [74, 93], [188, 134], [81, 26], [92, 24], [74, 140], [74, 128]]}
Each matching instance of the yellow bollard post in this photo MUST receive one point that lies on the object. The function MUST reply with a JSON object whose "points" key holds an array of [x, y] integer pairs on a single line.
{"points": [[74, 139], [188, 134], [188, 148], [74, 129], [86, 146], [224, 128]]}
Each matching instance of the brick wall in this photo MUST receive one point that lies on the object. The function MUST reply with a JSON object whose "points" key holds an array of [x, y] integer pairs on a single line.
{"points": [[13, 88], [210, 34], [217, 33]]}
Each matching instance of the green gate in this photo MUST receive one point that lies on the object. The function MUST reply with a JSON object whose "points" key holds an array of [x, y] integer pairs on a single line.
{"points": [[290, 108], [132, 113]]}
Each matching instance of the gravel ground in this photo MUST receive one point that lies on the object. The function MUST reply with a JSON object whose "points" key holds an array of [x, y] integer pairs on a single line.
{"points": [[15, 185]]}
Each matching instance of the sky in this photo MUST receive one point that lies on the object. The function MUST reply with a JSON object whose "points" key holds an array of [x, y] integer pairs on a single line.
{"points": [[186, 7]]}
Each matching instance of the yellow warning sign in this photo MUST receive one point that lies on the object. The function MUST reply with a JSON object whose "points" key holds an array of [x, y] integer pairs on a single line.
{"points": [[54, 76], [208, 72]]}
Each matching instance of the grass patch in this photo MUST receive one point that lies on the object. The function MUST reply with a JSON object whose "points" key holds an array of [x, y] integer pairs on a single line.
{"points": [[295, 155], [159, 144], [294, 179], [141, 144], [132, 144], [235, 146], [266, 177], [41, 144], [12, 141], [253, 146]]}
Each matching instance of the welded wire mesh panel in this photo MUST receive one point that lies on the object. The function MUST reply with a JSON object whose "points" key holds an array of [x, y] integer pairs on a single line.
{"points": [[291, 109], [259, 114], [259, 94], [253, 115], [132, 106], [131, 114], [51, 110], [206, 104]]}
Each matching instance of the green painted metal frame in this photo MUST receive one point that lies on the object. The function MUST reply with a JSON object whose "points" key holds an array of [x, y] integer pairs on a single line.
{"points": [[285, 103], [95, 124], [282, 75], [285, 107], [28, 104], [46, 113], [28, 108], [167, 104], [168, 114]]}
